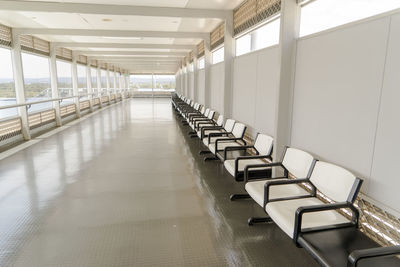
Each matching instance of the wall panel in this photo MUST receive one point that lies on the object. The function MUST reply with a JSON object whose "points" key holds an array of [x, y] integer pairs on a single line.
{"points": [[336, 96], [201, 86], [217, 87], [385, 181]]}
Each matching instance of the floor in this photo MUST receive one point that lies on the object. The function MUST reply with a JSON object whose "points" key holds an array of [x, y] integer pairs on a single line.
{"points": [[127, 187]]}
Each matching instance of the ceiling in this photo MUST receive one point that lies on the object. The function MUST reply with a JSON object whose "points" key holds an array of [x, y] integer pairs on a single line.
{"points": [[144, 30]]}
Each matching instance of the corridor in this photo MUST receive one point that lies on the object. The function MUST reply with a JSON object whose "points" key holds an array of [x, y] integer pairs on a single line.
{"points": [[127, 187]]}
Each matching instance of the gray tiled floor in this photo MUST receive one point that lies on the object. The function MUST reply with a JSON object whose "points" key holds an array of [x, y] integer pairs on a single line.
{"points": [[126, 187]]}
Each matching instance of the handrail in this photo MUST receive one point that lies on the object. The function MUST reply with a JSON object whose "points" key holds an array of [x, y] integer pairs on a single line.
{"points": [[41, 101]]}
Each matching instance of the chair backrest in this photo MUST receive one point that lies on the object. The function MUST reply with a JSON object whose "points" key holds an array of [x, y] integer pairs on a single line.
{"points": [[298, 162], [203, 109], [220, 120], [238, 130], [211, 115], [206, 112], [263, 144], [229, 124], [196, 106], [333, 181]]}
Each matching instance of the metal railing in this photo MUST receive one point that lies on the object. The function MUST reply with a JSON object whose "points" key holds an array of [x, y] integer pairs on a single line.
{"points": [[12, 126]]}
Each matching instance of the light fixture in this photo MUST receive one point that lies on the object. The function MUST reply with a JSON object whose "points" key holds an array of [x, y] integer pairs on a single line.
{"points": [[122, 38]]}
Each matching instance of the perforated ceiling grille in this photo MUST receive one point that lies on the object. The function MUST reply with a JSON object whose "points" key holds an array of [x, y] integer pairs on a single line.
{"points": [[64, 53], [5, 35], [93, 63], [191, 56], [103, 66], [253, 12], [82, 59], [200, 49], [111, 67], [217, 36], [35, 45], [184, 61]]}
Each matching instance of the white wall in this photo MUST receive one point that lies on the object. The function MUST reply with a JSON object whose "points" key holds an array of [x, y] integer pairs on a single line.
{"points": [[337, 102], [201, 86], [217, 87], [255, 85]]}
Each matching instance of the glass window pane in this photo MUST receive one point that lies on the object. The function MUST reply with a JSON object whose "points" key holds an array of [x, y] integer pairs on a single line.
{"points": [[64, 79], [7, 89], [141, 83], [324, 14], [243, 45], [82, 82], [93, 75], [103, 75], [200, 63], [218, 56], [36, 71], [267, 35], [164, 83]]}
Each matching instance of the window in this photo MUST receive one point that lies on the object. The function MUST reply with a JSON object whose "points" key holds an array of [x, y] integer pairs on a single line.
{"points": [[324, 14], [218, 55], [141, 83], [36, 71], [93, 75], [243, 45], [191, 67], [200, 63], [265, 36], [103, 79], [118, 80], [7, 89], [64, 79], [164, 83], [82, 82]]}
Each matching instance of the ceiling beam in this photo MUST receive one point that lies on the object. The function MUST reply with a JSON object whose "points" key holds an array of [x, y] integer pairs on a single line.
{"points": [[131, 53], [113, 33], [125, 45], [118, 10]]}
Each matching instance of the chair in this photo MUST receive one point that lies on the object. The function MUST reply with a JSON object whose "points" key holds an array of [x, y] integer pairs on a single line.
{"points": [[293, 214], [263, 147], [210, 134], [294, 161], [209, 127], [233, 139]]}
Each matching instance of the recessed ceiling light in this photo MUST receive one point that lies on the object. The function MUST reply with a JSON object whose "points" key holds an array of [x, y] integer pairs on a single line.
{"points": [[175, 21], [122, 38], [106, 20], [33, 18]]}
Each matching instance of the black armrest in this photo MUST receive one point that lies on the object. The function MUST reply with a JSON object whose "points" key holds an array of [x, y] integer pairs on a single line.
{"points": [[268, 185], [317, 208], [246, 157], [234, 148], [226, 139], [197, 125], [204, 129], [216, 135], [361, 254], [266, 165]]}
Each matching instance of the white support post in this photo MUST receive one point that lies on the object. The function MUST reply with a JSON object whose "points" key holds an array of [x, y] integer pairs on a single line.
{"points": [[54, 84], [195, 74], [108, 84], [152, 85], [207, 72], [120, 83], [229, 54], [19, 84], [89, 84], [75, 90], [289, 32], [115, 80], [183, 80], [98, 76]]}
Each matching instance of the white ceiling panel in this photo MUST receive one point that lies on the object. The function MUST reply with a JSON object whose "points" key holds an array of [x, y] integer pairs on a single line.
{"points": [[156, 3]]}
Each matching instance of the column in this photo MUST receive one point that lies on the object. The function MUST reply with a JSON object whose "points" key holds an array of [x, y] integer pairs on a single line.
{"points": [[89, 84], [19, 84], [54, 84], [195, 74], [289, 32], [108, 84], [98, 76], [229, 54], [75, 90], [207, 73]]}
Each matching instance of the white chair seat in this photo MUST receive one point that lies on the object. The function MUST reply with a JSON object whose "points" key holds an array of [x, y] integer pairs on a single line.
{"points": [[208, 132], [283, 214], [230, 164], [212, 139], [221, 145], [256, 190]]}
